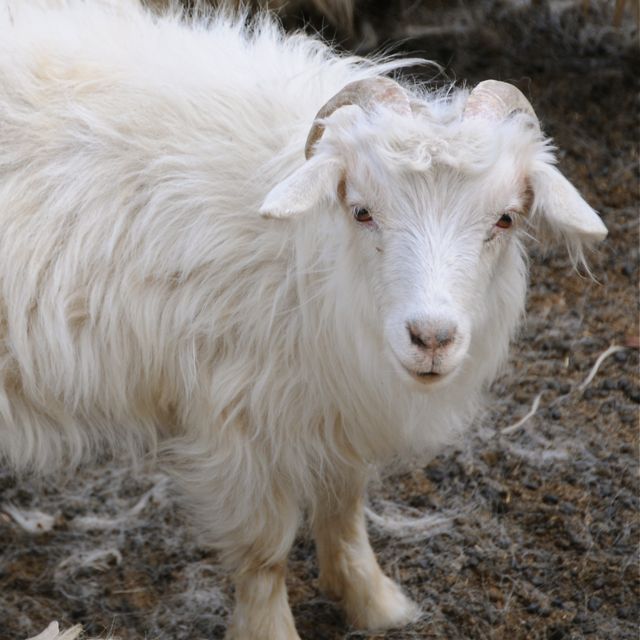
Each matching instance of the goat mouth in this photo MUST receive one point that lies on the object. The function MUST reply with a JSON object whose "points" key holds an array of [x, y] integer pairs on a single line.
{"points": [[425, 377]]}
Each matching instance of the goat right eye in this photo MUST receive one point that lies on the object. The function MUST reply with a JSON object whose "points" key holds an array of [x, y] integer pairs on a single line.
{"points": [[505, 221], [361, 214]]}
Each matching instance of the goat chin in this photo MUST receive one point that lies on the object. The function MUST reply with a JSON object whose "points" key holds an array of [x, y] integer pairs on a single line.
{"points": [[148, 309]]}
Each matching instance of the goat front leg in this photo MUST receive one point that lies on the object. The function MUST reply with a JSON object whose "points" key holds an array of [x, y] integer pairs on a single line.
{"points": [[262, 610], [349, 571], [252, 520], [257, 555]]}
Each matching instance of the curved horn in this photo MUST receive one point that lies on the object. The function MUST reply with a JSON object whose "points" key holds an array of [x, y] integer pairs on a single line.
{"points": [[496, 100], [363, 93]]}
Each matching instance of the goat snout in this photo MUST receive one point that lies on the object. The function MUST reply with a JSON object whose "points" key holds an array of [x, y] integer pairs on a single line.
{"points": [[432, 348], [432, 336]]}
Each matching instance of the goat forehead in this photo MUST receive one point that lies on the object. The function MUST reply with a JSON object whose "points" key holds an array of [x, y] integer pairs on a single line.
{"points": [[438, 191], [452, 141], [415, 173]]}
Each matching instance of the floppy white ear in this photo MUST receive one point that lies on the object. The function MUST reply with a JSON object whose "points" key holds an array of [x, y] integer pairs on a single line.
{"points": [[564, 208], [302, 190]]}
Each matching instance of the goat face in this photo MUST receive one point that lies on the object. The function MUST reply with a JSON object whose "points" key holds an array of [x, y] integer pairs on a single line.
{"points": [[430, 214], [430, 237]]}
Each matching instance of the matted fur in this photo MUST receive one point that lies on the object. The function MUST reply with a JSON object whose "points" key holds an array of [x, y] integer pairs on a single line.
{"points": [[147, 309]]}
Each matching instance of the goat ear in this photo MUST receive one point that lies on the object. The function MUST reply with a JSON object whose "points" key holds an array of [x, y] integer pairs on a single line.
{"points": [[564, 209], [302, 190]]}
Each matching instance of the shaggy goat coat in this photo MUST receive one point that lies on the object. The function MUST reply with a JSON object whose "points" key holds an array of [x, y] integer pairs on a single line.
{"points": [[147, 308], [143, 299]]}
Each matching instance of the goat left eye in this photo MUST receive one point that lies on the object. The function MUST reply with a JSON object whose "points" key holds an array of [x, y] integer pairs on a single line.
{"points": [[361, 214], [505, 221]]}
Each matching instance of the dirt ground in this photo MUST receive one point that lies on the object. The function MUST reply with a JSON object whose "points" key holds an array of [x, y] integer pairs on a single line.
{"points": [[529, 534]]}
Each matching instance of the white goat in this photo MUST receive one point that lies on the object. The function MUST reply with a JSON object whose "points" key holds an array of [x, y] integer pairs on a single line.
{"points": [[150, 302]]}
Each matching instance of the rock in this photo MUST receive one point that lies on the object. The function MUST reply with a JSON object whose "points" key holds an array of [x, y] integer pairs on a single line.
{"points": [[620, 356], [624, 384], [557, 633], [634, 395], [579, 618], [567, 508], [435, 474]]}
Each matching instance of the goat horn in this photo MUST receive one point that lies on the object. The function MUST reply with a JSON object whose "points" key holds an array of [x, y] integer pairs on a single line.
{"points": [[363, 93], [496, 100]]}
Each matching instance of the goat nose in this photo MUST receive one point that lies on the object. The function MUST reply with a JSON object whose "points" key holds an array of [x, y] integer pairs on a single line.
{"points": [[432, 336]]}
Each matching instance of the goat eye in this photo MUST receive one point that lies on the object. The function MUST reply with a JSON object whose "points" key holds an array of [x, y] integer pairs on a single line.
{"points": [[361, 214], [505, 221]]}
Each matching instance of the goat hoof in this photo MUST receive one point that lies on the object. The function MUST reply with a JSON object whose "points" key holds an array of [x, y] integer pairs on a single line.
{"points": [[386, 607]]}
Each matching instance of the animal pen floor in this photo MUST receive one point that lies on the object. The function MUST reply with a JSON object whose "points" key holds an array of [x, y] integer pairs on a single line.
{"points": [[531, 533]]}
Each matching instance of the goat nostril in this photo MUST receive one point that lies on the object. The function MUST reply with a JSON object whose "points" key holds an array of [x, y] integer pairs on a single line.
{"points": [[415, 338], [431, 339], [445, 337]]}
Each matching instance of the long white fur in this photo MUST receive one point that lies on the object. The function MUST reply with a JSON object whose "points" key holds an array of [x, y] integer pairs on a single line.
{"points": [[147, 309]]}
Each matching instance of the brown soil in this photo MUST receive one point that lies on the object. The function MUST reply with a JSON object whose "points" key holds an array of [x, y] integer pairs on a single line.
{"points": [[539, 529]]}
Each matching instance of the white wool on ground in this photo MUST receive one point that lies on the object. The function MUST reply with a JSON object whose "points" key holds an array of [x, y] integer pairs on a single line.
{"points": [[129, 518], [52, 632], [407, 524], [32, 521]]}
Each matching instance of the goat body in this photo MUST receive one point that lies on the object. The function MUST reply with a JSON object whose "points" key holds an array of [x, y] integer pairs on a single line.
{"points": [[148, 308]]}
